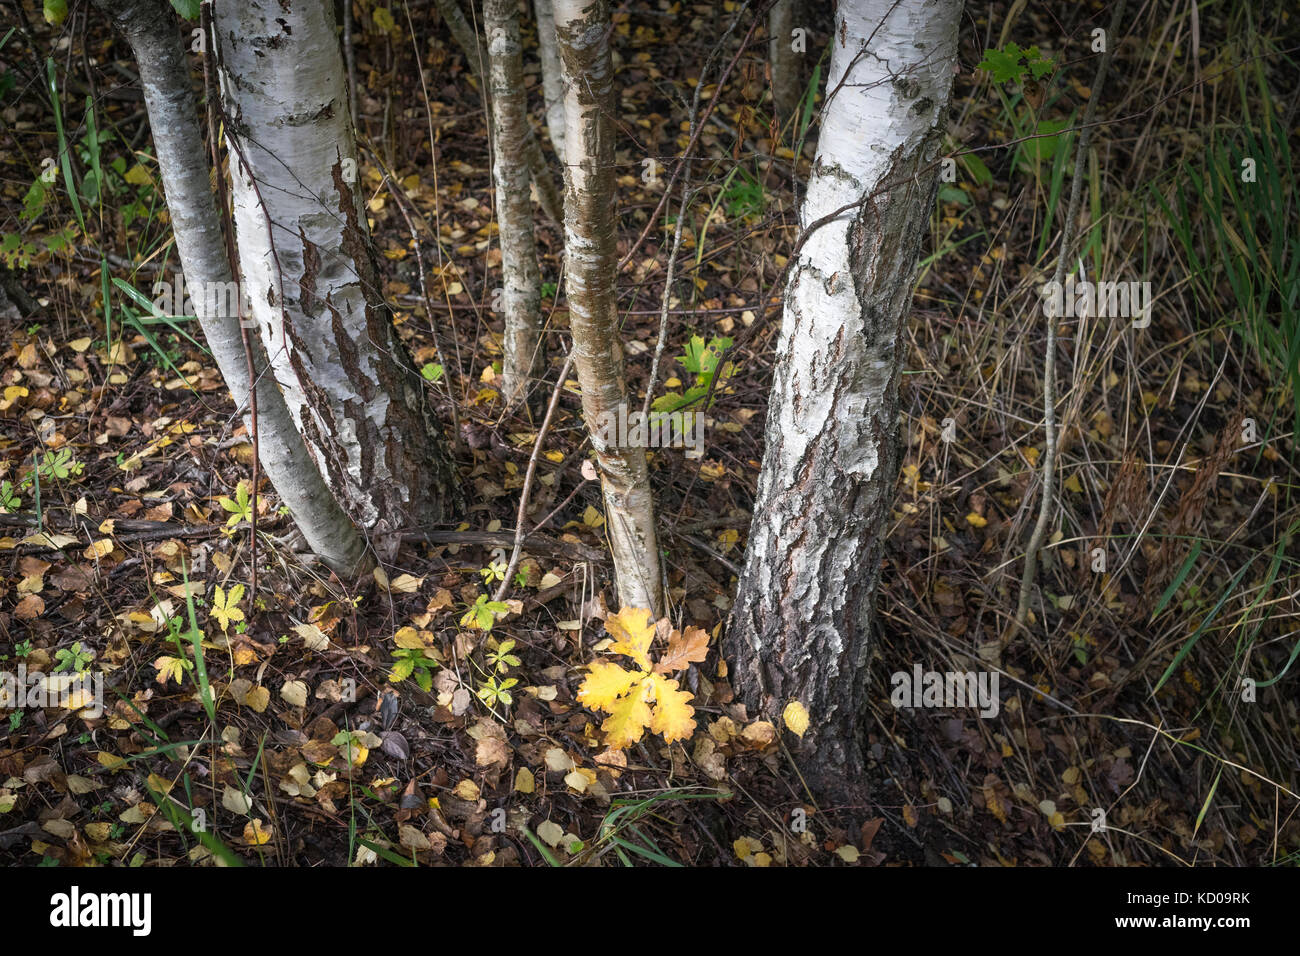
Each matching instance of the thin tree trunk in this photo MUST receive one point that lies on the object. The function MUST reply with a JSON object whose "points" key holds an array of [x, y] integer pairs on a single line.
{"points": [[783, 61], [350, 57], [521, 299], [552, 82], [150, 28], [804, 611], [309, 269], [582, 30], [548, 196]]}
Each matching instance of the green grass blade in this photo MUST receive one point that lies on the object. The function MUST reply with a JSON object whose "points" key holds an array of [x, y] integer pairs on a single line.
{"points": [[387, 854], [65, 157], [1178, 580], [1206, 805], [541, 848], [1205, 623]]}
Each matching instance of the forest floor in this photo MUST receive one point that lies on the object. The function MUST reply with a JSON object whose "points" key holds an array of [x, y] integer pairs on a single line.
{"points": [[124, 531]]}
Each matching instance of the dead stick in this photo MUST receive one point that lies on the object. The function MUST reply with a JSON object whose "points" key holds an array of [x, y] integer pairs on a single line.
{"points": [[521, 517]]}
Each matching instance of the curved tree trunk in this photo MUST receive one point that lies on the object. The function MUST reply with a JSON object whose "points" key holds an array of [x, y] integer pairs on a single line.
{"points": [[309, 270], [150, 28], [783, 61], [582, 30], [552, 81], [801, 626], [521, 301]]}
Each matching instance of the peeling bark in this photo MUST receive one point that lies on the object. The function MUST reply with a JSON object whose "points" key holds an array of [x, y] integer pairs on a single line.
{"points": [[150, 28], [591, 259], [521, 300], [309, 271], [802, 622]]}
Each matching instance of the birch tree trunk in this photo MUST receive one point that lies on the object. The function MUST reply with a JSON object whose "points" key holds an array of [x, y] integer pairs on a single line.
{"points": [[548, 196], [149, 26], [552, 81], [783, 61], [309, 270], [591, 266], [801, 626], [521, 299]]}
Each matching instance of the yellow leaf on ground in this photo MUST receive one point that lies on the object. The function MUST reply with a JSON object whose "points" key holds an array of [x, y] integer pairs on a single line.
{"points": [[795, 716], [169, 668], [225, 607], [674, 718], [605, 683], [255, 833], [632, 630], [99, 549], [258, 698], [405, 584], [467, 790], [759, 734], [524, 781], [409, 638], [627, 721]]}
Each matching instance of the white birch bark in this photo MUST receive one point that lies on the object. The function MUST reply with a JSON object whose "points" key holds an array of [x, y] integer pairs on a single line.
{"points": [[552, 81], [150, 28], [801, 626], [591, 257], [521, 299], [309, 270]]}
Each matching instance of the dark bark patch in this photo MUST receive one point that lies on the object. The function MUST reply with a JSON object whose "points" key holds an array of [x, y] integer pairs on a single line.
{"points": [[310, 269]]}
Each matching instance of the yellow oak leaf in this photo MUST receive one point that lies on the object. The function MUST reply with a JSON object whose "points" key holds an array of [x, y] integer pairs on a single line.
{"points": [[632, 630], [605, 683], [627, 721], [684, 647], [674, 718]]}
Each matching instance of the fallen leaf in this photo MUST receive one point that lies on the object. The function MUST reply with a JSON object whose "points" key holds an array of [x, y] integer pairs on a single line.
{"points": [[684, 648], [795, 717], [256, 834], [295, 692], [524, 782]]}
